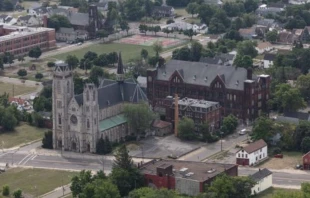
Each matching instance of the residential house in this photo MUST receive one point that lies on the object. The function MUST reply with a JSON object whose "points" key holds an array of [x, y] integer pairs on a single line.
{"points": [[260, 31], [306, 161], [219, 59], [38, 11], [270, 9], [268, 60], [179, 26], [29, 21], [21, 104], [186, 177], [248, 33], [269, 23], [161, 128], [103, 4], [252, 154], [200, 28], [263, 47], [263, 179], [163, 11], [69, 34], [7, 19]]}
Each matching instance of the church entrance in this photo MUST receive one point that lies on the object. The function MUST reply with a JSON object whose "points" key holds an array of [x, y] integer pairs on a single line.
{"points": [[73, 146]]}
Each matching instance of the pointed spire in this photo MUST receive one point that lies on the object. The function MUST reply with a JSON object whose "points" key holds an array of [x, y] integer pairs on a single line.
{"points": [[120, 67]]}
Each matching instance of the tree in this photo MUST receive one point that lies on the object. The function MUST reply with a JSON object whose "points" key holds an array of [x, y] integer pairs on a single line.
{"points": [[139, 117], [21, 59], [183, 53], [177, 3], [1, 63], [157, 47], [263, 129], [250, 6], [100, 146], [79, 182], [305, 145], [124, 26], [247, 48], [144, 54], [107, 145], [58, 21], [8, 58], [190, 33], [35, 53], [147, 192], [47, 141], [156, 29], [229, 125], [17, 193], [112, 57], [102, 60], [22, 73], [195, 51], [303, 85], [167, 31], [272, 36], [143, 28], [72, 61], [102, 34], [288, 99], [148, 7], [5, 190], [100, 188], [39, 76], [8, 5], [90, 55], [192, 8], [243, 61], [122, 159], [95, 74], [186, 129]]}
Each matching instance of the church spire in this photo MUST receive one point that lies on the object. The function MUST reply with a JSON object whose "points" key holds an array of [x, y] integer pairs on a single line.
{"points": [[120, 69]]}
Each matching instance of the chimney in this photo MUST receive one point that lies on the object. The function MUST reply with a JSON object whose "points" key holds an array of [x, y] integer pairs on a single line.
{"points": [[45, 21], [249, 73], [176, 114]]}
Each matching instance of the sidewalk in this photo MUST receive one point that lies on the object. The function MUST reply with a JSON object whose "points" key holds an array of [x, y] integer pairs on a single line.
{"points": [[58, 192]]}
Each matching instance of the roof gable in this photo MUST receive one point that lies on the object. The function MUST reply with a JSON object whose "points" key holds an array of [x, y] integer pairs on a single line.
{"points": [[260, 174], [259, 144]]}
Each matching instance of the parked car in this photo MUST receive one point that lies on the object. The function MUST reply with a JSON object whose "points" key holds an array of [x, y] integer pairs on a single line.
{"points": [[80, 43], [243, 132]]}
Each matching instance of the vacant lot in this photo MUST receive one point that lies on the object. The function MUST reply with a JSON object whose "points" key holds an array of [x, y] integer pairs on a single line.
{"points": [[272, 191], [35, 182], [18, 89], [128, 51], [22, 134], [289, 161]]}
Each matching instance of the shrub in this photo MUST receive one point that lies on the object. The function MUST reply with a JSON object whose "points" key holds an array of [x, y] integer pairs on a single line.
{"points": [[5, 190], [51, 64], [17, 193], [170, 21], [276, 151], [39, 76], [22, 72]]}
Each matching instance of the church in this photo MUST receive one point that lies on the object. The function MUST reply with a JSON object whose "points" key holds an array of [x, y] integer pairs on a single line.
{"points": [[80, 120]]}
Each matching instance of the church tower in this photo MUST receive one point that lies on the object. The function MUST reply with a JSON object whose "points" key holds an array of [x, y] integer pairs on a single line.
{"points": [[63, 91], [94, 24], [120, 69]]}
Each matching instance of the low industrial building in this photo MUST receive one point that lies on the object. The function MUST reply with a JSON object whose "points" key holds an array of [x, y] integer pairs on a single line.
{"points": [[186, 177], [252, 154]]}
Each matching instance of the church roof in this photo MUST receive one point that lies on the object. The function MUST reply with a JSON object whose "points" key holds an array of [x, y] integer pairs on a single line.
{"points": [[111, 93], [111, 122]]}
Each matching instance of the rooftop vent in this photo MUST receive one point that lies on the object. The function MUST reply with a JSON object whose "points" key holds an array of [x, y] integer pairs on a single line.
{"points": [[182, 170], [194, 77], [212, 170], [206, 79], [189, 174], [237, 83]]}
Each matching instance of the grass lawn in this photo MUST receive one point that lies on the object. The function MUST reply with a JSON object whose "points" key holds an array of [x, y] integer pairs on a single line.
{"points": [[18, 89], [128, 51], [272, 191], [23, 133], [289, 161], [180, 11], [35, 182]]}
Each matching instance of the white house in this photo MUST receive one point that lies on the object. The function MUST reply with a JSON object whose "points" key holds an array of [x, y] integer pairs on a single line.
{"points": [[268, 60], [263, 47], [263, 179], [198, 28], [28, 20], [252, 154], [69, 34], [7, 19]]}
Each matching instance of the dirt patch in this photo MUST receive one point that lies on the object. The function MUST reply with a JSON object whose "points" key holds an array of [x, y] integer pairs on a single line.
{"points": [[289, 161]]}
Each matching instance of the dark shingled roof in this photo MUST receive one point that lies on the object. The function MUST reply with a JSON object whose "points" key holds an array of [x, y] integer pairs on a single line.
{"points": [[196, 73], [269, 57], [111, 93], [255, 146], [261, 174], [166, 9]]}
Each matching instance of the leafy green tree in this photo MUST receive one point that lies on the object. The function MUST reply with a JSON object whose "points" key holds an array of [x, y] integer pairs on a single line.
{"points": [[263, 129], [272, 36], [192, 8], [107, 145], [144, 54], [303, 85], [124, 26], [247, 48], [243, 61], [157, 47], [177, 3], [153, 61], [90, 55], [186, 129], [156, 29], [122, 159], [7, 5], [112, 57], [134, 10], [167, 31], [229, 125], [5, 190], [250, 5], [17, 193], [195, 51], [147, 192], [22, 73], [79, 182], [183, 53], [39, 76], [305, 144], [72, 61], [148, 7], [37, 120], [102, 60], [102, 34], [190, 33], [100, 189], [8, 58], [58, 21], [35, 53], [143, 28], [288, 98], [51, 64], [139, 117], [96, 73], [47, 141], [21, 59]]}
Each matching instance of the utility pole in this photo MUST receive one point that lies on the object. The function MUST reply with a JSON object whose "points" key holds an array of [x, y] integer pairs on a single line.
{"points": [[13, 90]]}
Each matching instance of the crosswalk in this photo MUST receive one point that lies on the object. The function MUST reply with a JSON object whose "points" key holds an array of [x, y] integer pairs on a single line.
{"points": [[27, 159]]}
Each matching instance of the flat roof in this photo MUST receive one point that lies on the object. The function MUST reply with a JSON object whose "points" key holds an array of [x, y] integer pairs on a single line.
{"points": [[21, 31], [197, 103], [199, 171]]}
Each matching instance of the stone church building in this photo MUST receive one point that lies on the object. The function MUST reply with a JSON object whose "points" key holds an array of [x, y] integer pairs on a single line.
{"points": [[80, 120]]}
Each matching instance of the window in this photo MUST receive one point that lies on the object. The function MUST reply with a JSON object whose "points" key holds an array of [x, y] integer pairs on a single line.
{"points": [[95, 121], [58, 87], [88, 125], [246, 155], [87, 95], [59, 118], [242, 155], [68, 87], [59, 104], [238, 154], [149, 78]]}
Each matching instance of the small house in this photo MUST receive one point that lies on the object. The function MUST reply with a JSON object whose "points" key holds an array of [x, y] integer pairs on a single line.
{"points": [[263, 47], [161, 128], [252, 154], [268, 60], [163, 11], [263, 179]]}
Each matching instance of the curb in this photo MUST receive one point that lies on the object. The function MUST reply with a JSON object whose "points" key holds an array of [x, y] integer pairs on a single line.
{"points": [[56, 189], [22, 145], [190, 151]]}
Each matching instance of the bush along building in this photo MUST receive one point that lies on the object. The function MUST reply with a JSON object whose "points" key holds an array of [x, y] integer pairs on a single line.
{"points": [[79, 121], [237, 90]]}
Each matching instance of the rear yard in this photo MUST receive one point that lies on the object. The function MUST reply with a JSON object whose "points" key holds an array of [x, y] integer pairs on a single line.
{"points": [[289, 161]]}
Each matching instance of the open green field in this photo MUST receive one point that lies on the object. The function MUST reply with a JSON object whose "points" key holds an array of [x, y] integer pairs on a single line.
{"points": [[128, 51], [272, 191], [35, 182], [18, 89], [23, 133]]}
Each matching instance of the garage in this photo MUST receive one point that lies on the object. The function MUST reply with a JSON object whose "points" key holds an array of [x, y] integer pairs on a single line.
{"points": [[242, 161]]}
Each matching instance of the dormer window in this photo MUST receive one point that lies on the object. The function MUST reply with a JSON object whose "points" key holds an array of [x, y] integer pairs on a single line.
{"points": [[194, 77], [206, 79]]}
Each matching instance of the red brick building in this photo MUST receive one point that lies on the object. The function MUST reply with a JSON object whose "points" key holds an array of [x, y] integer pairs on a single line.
{"points": [[200, 111], [306, 161], [186, 177], [20, 40], [237, 90]]}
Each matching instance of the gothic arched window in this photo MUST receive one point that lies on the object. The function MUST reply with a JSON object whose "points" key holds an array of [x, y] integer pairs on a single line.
{"points": [[87, 95], [59, 118], [88, 125], [94, 96], [68, 87]]}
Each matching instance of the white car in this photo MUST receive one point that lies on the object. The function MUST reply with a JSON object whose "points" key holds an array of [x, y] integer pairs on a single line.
{"points": [[243, 132]]}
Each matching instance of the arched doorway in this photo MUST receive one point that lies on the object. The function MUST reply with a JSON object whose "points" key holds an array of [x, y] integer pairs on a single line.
{"points": [[73, 146], [88, 148]]}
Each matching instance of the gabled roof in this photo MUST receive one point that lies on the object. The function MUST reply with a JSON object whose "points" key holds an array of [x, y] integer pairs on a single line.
{"points": [[210, 60], [255, 146], [66, 30], [162, 8], [81, 19], [25, 18], [269, 57], [260, 174], [160, 124]]}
